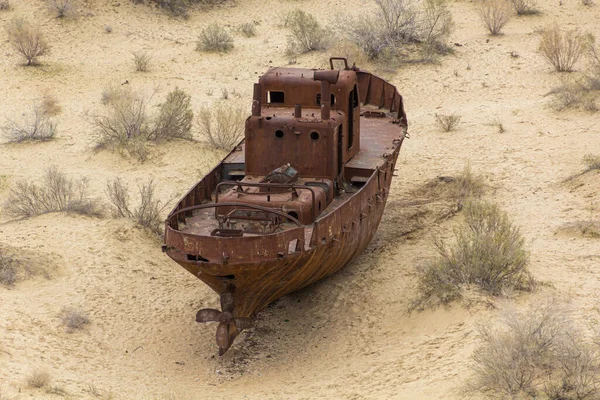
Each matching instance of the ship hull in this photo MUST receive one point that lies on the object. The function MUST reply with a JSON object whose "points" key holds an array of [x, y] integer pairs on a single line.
{"points": [[336, 239]]}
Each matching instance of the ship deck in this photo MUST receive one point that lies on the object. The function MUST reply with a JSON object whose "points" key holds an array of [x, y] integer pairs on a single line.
{"points": [[376, 140]]}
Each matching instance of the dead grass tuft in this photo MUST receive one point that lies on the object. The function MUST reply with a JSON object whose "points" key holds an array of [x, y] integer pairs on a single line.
{"points": [[63, 8], [222, 125], [38, 378], [73, 319], [56, 193], [536, 353], [27, 40], [148, 212], [447, 122], [488, 252], [142, 61], [248, 29], [5, 5], [494, 14]]}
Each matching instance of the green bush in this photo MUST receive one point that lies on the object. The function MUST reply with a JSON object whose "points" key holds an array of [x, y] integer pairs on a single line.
{"points": [[306, 34], [175, 117], [214, 38], [488, 252]]}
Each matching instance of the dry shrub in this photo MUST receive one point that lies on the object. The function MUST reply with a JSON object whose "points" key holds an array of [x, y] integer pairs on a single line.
{"points": [[63, 8], [222, 126], [447, 122], [73, 319], [4, 5], [247, 29], [394, 24], [214, 38], [456, 189], [9, 267], [27, 40], [56, 193], [577, 92], [494, 14], [38, 125], [436, 25], [125, 125], [535, 352], [146, 214], [50, 105], [349, 50], [306, 33], [38, 378], [400, 29], [437, 200], [141, 60], [488, 252], [175, 117], [562, 49], [591, 162], [581, 90], [525, 7]]}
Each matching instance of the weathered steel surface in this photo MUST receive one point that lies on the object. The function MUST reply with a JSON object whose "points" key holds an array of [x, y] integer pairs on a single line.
{"points": [[299, 198]]}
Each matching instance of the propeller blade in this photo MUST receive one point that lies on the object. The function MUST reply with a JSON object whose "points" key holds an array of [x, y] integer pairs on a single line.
{"points": [[208, 315], [223, 336], [243, 323], [227, 302]]}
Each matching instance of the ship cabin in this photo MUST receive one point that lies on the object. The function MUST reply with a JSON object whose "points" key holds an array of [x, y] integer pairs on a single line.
{"points": [[303, 130]]}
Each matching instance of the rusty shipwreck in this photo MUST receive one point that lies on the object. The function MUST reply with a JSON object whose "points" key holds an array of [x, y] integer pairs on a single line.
{"points": [[298, 198]]}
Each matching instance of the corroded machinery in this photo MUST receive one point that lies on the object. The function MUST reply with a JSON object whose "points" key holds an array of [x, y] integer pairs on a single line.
{"points": [[298, 198]]}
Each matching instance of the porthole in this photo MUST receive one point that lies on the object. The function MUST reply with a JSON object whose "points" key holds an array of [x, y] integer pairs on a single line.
{"points": [[314, 135], [279, 134]]}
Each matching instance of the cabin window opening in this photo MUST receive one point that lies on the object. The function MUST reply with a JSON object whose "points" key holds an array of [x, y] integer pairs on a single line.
{"points": [[275, 97], [279, 134], [319, 206], [323, 240], [226, 276], [293, 214], [314, 135], [319, 99], [353, 101]]}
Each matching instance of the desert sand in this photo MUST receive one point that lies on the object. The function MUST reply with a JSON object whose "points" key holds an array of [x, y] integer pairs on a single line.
{"points": [[348, 336]]}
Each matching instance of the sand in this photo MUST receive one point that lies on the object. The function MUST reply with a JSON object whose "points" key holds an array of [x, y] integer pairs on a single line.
{"points": [[346, 337]]}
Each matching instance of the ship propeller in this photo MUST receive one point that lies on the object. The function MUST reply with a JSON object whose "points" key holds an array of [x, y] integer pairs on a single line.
{"points": [[226, 319]]}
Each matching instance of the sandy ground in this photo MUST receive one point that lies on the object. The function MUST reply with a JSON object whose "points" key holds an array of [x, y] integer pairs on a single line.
{"points": [[346, 337]]}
